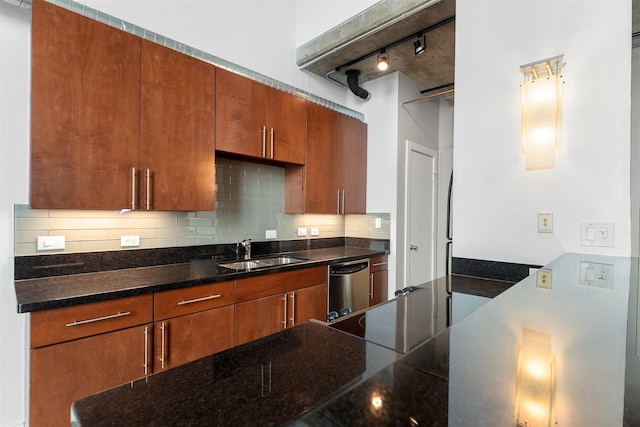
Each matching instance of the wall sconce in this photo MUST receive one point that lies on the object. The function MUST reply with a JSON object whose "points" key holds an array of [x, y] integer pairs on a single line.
{"points": [[541, 109], [383, 60], [535, 403]]}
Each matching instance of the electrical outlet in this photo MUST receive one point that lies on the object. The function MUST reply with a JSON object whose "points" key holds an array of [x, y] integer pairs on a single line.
{"points": [[302, 231], [545, 222], [596, 275], [129, 241], [271, 234], [597, 234], [378, 222], [544, 278], [50, 243], [315, 232]]}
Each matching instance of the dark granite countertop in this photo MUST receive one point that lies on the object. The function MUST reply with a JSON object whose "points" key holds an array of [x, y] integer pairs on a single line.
{"points": [[584, 326], [60, 291]]}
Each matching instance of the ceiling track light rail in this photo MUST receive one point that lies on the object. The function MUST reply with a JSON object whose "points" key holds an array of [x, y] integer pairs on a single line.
{"points": [[397, 42]]}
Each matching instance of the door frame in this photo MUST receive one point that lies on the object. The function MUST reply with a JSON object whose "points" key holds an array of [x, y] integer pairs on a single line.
{"points": [[410, 147]]}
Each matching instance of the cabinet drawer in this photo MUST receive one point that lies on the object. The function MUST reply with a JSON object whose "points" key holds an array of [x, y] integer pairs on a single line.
{"points": [[378, 263], [69, 323], [271, 284], [190, 300]]}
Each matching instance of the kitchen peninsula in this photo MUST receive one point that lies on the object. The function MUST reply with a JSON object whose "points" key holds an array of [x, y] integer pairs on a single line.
{"points": [[585, 325]]}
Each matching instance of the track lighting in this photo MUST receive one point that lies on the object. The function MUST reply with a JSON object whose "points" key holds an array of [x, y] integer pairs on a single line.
{"points": [[383, 60], [420, 45]]}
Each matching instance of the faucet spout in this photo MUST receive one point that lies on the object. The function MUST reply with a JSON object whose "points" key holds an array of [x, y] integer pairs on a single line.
{"points": [[246, 244]]}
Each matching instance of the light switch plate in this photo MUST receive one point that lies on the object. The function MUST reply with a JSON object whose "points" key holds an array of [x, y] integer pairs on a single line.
{"points": [[315, 232], [597, 234], [596, 274], [50, 243], [302, 231], [378, 222]]}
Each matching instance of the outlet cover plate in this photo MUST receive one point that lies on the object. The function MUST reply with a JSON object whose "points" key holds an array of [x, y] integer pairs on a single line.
{"points": [[302, 231], [271, 234], [544, 278], [597, 234], [315, 232], [129, 241], [50, 243], [596, 274]]}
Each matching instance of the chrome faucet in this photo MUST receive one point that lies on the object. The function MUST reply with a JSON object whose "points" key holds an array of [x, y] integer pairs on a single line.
{"points": [[246, 244]]}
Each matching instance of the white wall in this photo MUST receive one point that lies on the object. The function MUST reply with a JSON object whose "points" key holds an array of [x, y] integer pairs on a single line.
{"points": [[14, 167], [635, 153], [496, 201]]}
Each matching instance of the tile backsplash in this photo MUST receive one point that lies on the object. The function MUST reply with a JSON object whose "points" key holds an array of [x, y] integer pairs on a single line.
{"points": [[249, 201]]}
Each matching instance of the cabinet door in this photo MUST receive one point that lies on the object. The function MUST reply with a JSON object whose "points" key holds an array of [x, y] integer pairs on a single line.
{"points": [[307, 303], [64, 373], [378, 287], [240, 115], [182, 339], [260, 317], [177, 125], [287, 127], [85, 104], [353, 165], [322, 167]]}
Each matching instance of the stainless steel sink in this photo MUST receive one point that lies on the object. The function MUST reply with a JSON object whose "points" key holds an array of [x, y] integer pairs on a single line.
{"points": [[261, 263]]}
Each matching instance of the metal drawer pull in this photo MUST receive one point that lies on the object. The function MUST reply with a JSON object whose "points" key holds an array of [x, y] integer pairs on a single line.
{"points": [[284, 321], [293, 308], [98, 319], [371, 279], [264, 141], [133, 189], [162, 328], [191, 301], [338, 204], [272, 143], [146, 350], [378, 264], [342, 202], [148, 177]]}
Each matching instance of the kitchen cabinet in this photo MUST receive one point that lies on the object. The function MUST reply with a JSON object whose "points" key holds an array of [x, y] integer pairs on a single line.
{"points": [[191, 323], [257, 121], [81, 350], [379, 280], [334, 177], [117, 122], [85, 108], [270, 303], [177, 126]]}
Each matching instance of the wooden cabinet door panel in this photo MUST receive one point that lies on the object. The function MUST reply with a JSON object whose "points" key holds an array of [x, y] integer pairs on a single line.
{"points": [[240, 114], [286, 118], [64, 373], [271, 284], [379, 285], [85, 104], [177, 126], [308, 303], [260, 317], [322, 173], [186, 338], [353, 164], [183, 301]]}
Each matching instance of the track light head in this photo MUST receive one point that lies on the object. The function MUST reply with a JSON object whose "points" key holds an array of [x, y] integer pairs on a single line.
{"points": [[420, 45], [383, 60]]}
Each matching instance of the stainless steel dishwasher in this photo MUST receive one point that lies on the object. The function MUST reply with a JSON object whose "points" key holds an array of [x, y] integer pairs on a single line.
{"points": [[349, 286]]}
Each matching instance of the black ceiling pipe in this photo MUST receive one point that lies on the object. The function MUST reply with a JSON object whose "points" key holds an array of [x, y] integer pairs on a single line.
{"points": [[352, 81]]}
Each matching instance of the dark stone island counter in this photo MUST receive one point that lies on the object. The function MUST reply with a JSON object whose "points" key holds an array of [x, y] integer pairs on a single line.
{"points": [[565, 352]]}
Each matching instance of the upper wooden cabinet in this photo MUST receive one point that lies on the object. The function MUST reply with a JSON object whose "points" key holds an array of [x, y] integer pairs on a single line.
{"points": [[177, 122], [85, 108], [117, 122], [255, 120], [334, 178]]}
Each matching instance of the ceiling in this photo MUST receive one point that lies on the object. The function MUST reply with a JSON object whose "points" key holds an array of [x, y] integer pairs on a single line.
{"points": [[388, 22]]}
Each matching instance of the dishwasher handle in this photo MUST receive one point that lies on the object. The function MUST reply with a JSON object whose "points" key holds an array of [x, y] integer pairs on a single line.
{"points": [[350, 268]]}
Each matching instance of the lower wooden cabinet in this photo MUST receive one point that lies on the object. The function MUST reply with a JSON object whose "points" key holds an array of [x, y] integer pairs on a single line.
{"points": [[70, 369], [378, 280], [191, 323], [268, 304]]}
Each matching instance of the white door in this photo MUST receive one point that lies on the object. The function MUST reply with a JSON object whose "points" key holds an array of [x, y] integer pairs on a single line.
{"points": [[420, 238]]}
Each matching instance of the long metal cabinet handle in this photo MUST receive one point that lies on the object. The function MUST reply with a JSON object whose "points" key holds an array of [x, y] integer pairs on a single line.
{"points": [[371, 289], [338, 203], [342, 202], [133, 188], [284, 321], [146, 350], [191, 301], [98, 319], [378, 264], [148, 177], [271, 143], [293, 308], [162, 350], [264, 141]]}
